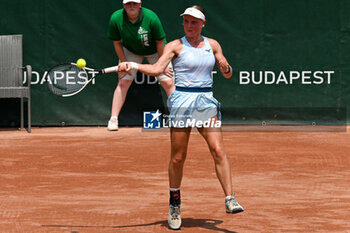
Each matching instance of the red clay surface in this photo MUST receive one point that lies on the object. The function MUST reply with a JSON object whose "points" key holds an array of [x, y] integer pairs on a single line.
{"points": [[82, 179]]}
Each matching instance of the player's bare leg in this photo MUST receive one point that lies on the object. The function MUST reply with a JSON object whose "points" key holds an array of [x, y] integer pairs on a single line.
{"points": [[215, 143], [214, 140], [179, 142]]}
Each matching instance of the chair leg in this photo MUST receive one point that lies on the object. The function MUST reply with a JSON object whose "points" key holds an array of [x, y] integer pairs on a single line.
{"points": [[22, 114], [29, 117]]}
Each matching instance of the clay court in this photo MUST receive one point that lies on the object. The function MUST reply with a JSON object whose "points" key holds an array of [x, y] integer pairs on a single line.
{"points": [[86, 179]]}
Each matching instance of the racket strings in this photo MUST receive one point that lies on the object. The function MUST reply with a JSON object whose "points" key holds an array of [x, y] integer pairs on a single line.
{"points": [[66, 79]]}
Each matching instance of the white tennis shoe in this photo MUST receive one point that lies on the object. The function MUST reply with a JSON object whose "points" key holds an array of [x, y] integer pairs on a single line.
{"points": [[174, 219], [232, 206], [113, 124]]}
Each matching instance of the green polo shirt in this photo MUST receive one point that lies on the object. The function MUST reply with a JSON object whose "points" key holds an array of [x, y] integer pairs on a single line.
{"points": [[140, 37]]}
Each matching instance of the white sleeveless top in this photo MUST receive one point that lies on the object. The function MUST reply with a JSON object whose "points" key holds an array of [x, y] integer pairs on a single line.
{"points": [[193, 66]]}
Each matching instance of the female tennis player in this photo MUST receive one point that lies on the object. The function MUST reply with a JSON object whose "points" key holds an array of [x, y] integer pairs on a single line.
{"points": [[193, 57]]}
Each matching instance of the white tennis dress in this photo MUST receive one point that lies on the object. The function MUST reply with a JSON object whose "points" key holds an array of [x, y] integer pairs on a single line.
{"points": [[193, 99]]}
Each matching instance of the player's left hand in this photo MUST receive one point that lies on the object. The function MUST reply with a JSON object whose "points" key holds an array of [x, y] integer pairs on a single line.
{"points": [[224, 67], [169, 72]]}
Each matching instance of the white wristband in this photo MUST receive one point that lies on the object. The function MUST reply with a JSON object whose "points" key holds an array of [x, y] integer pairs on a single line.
{"points": [[134, 66]]}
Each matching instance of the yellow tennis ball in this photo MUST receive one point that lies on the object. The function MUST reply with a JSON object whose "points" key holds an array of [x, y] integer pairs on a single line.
{"points": [[81, 63]]}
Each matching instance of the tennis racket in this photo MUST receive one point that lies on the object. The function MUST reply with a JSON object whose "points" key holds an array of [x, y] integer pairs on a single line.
{"points": [[67, 79]]}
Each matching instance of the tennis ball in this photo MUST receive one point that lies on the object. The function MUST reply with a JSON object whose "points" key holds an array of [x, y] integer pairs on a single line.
{"points": [[81, 63]]}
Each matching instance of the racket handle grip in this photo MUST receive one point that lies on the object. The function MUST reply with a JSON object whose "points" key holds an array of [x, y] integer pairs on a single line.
{"points": [[110, 69]]}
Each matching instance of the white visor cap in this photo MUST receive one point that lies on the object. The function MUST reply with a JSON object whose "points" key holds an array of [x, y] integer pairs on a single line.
{"points": [[194, 12], [136, 1]]}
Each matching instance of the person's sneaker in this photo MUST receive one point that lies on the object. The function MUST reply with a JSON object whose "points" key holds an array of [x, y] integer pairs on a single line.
{"points": [[174, 219], [232, 206], [113, 124]]}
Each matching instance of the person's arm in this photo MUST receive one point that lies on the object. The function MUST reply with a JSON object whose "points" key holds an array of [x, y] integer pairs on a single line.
{"points": [[118, 47], [170, 50], [160, 47], [221, 61], [114, 29], [157, 32]]}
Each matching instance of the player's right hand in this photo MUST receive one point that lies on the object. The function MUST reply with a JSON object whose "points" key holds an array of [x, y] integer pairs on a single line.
{"points": [[124, 67]]}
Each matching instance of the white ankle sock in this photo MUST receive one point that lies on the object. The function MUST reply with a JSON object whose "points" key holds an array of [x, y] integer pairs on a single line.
{"points": [[114, 117]]}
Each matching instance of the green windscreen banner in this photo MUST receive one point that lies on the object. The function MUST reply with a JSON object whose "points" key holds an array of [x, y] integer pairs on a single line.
{"points": [[290, 59]]}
